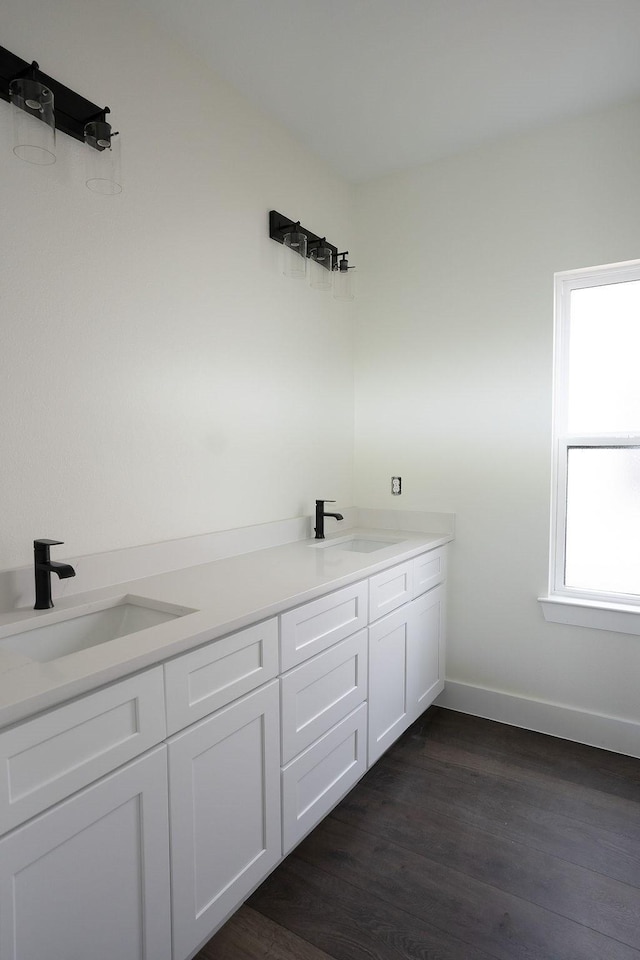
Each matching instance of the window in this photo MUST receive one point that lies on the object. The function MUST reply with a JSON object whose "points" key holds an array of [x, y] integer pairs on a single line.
{"points": [[595, 548]]}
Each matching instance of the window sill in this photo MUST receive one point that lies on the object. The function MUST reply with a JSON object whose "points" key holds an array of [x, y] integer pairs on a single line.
{"points": [[591, 613]]}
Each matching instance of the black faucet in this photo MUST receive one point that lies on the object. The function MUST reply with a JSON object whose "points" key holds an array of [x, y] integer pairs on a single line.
{"points": [[321, 514], [44, 567]]}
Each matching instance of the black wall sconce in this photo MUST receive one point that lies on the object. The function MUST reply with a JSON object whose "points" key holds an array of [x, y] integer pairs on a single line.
{"points": [[42, 106], [307, 254]]}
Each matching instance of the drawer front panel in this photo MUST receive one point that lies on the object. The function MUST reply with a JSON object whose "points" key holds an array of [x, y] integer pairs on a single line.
{"points": [[47, 759], [314, 782], [214, 675], [429, 570], [313, 627], [319, 693], [390, 589]]}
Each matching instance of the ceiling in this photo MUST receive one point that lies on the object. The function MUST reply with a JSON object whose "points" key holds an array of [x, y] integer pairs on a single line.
{"points": [[375, 86]]}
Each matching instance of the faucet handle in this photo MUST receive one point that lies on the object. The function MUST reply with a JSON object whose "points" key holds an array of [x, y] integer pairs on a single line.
{"points": [[41, 549]]}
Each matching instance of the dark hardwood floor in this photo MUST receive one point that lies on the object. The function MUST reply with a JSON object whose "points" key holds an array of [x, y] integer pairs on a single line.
{"points": [[468, 840]]}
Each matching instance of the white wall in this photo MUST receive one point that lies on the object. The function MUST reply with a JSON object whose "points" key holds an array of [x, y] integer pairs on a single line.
{"points": [[453, 382], [158, 376]]}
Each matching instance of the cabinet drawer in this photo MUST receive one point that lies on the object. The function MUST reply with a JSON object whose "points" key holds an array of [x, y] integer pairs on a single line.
{"points": [[214, 675], [314, 782], [429, 570], [320, 692], [48, 758], [315, 626], [390, 589]]}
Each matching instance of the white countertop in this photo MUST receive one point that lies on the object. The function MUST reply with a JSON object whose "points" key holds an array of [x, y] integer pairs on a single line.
{"points": [[226, 595]]}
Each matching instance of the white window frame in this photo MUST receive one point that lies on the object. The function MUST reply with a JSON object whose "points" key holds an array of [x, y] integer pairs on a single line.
{"points": [[607, 611]]}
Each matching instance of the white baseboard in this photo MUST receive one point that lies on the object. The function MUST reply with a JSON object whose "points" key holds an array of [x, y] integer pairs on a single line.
{"points": [[594, 729]]}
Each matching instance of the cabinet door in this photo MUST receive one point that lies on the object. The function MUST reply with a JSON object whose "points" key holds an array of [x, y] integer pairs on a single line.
{"points": [[425, 670], [90, 877], [224, 788], [389, 706], [406, 667]]}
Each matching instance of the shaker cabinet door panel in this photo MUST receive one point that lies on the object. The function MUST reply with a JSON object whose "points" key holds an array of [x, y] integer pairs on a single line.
{"points": [[224, 788], [90, 877], [389, 708], [406, 667], [426, 651]]}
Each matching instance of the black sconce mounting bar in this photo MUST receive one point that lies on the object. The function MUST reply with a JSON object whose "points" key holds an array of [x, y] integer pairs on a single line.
{"points": [[72, 111], [280, 225]]}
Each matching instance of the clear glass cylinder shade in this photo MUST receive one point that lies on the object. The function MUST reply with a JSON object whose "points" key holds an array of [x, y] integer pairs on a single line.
{"points": [[320, 263], [344, 284], [295, 255], [604, 345], [603, 519], [34, 123], [102, 159]]}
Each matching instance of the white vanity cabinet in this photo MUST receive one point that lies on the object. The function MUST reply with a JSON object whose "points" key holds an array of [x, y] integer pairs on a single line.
{"points": [[224, 779], [406, 648], [134, 820], [89, 876]]}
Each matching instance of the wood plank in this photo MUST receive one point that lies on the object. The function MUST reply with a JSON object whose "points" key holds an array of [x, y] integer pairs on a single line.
{"points": [[549, 791], [493, 920], [350, 922], [576, 763], [506, 809], [590, 898], [249, 935], [467, 841], [508, 782]]}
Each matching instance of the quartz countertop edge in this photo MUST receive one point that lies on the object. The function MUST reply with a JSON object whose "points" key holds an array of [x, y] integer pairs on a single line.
{"points": [[226, 596]]}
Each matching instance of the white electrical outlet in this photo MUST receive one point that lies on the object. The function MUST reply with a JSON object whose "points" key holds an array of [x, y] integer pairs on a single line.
{"points": [[396, 486]]}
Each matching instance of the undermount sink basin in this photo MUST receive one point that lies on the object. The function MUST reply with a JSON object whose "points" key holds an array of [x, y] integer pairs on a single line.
{"points": [[68, 631], [356, 544]]}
